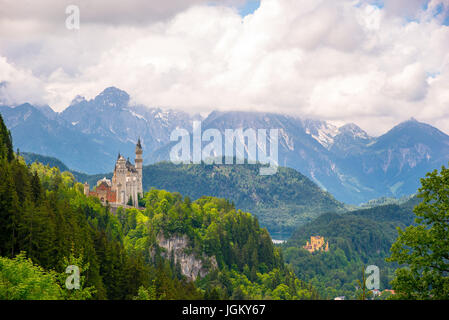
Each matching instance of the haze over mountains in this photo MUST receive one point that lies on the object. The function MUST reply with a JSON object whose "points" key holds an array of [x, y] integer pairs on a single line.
{"points": [[345, 161]]}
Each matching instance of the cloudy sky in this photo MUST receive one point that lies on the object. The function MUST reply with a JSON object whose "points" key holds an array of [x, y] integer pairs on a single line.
{"points": [[375, 63]]}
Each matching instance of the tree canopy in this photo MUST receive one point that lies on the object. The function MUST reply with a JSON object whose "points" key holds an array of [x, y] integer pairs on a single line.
{"points": [[423, 249]]}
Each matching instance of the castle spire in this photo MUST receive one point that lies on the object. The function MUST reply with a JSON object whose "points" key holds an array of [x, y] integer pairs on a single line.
{"points": [[138, 166]]}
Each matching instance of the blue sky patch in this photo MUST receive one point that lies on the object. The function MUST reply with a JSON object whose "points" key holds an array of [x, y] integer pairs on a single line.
{"points": [[378, 3], [439, 9], [446, 20], [249, 7]]}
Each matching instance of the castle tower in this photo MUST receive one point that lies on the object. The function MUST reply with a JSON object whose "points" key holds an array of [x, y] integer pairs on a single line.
{"points": [[86, 189], [126, 182], [120, 179], [139, 164]]}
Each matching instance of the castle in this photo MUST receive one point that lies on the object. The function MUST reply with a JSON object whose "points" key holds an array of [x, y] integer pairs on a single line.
{"points": [[316, 243], [126, 183]]}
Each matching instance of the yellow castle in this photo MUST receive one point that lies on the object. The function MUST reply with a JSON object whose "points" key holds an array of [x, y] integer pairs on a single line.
{"points": [[316, 243]]}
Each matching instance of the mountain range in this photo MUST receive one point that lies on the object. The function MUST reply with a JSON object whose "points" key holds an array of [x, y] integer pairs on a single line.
{"points": [[345, 161]]}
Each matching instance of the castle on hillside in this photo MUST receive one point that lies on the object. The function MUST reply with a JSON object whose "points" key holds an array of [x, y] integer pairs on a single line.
{"points": [[126, 184], [316, 243]]}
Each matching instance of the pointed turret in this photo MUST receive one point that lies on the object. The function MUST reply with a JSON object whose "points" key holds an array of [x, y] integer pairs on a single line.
{"points": [[138, 146], [139, 165]]}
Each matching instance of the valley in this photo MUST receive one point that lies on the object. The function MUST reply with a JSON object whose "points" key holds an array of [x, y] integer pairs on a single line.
{"points": [[209, 226]]}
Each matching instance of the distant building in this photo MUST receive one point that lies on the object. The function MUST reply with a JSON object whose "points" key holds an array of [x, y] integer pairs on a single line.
{"points": [[126, 184], [376, 292], [390, 291], [316, 243]]}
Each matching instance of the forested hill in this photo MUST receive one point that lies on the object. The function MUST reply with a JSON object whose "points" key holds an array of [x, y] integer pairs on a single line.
{"points": [[174, 249], [30, 157], [46, 224], [53, 162], [388, 215], [358, 238], [281, 202]]}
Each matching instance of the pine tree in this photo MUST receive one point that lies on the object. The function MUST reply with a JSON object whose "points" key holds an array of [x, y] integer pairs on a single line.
{"points": [[6, 149]]}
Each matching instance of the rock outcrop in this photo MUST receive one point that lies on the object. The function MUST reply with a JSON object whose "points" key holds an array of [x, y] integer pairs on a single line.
{"points": [[191, 265]]}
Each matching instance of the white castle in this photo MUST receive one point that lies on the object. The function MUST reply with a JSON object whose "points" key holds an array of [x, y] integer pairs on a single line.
{"points": [[126, 185]]}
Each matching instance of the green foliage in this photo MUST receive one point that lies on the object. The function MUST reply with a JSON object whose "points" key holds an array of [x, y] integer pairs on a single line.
{"points": [[44, 213], [20, 279], [146, 293], [30, 158], [83, 292], [249, 266], [423, 249], [281, 201], [6, 150], [47, 215], [362, 291], [213, 226], [382, 201], [359, 238], [130, 201], [274, 285]]}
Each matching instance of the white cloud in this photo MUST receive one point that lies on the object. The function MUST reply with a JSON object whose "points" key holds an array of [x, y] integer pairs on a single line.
{"points": [[116, 12], [19, 85], [344, 61]]}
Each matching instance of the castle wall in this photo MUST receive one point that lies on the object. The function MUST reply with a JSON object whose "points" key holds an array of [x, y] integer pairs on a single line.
{"points": [[126, 182], [316, 243]]}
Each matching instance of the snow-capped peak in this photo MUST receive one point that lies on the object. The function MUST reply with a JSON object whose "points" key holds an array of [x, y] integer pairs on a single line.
{"points": [[321, 131], [354, 131], [325, 132]]}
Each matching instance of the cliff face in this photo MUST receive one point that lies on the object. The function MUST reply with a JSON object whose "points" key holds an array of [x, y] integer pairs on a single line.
{"points": [[191, 266]]}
